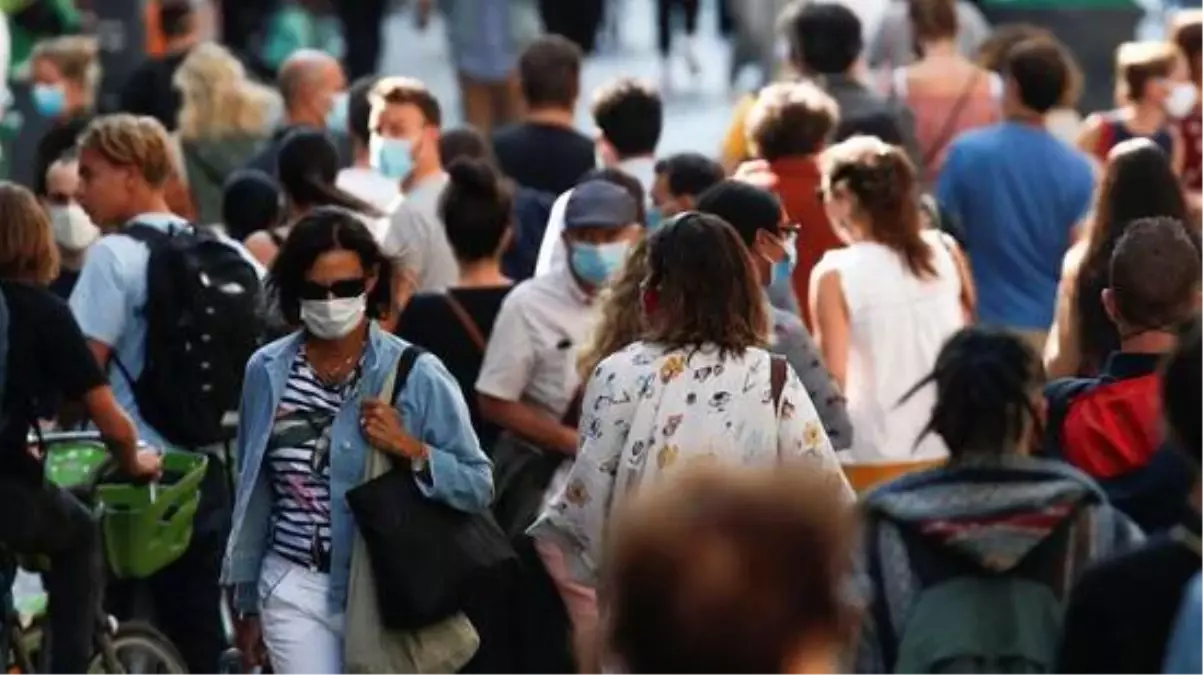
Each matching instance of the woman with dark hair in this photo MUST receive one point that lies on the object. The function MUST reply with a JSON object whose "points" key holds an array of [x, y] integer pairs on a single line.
{"points": [[310, 411], [1138, 183], [883, 305], [697, 386], [979, 543], [308, 172], [476, 210]]}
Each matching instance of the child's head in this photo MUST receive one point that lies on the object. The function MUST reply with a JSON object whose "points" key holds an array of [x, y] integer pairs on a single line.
{"points": [[1154, 278]]}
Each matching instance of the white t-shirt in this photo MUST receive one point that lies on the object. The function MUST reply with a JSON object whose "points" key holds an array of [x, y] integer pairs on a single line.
{"points": [[370, 186]]}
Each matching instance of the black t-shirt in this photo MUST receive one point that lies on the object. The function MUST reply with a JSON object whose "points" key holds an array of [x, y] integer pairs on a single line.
{"points": [[543, 157], [48, 361], [429, 323], [1122, 611], [150, 90]]}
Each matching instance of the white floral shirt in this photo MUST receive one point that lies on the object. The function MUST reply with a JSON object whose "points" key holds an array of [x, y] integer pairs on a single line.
{"points": [[648, 411]]}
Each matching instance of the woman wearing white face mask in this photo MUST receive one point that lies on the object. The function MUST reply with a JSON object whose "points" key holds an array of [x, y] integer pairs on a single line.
{"points": [[1153, 92], [310, 411], [74, 230]]}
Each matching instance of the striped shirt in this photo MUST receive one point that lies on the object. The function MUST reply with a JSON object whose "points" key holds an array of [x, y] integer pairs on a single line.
{"points": [[298, 460]]}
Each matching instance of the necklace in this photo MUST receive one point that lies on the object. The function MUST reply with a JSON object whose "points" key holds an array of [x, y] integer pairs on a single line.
{"points": [[335, 373]]}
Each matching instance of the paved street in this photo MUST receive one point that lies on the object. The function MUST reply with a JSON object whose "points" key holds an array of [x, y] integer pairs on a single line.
{"points": [[695, 118]]}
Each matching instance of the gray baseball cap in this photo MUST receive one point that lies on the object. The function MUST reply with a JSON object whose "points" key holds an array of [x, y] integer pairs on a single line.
{"points": [[599, 203]]}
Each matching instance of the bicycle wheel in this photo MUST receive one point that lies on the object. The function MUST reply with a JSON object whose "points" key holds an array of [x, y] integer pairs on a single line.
{"points": [[138, 647]]}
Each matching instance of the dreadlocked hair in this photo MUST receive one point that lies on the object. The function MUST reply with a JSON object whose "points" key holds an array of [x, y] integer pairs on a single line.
{"points": [[985, 383]]}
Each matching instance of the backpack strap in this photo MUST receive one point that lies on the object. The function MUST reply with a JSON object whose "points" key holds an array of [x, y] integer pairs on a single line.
{"points": [[778, 373], [949, 128]]}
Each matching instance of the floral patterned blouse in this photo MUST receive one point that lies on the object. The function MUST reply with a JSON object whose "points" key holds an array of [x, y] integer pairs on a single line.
{"points": [[649, 411]]}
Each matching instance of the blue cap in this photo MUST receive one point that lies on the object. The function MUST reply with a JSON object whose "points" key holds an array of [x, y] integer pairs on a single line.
{"points": [[599, 203]]}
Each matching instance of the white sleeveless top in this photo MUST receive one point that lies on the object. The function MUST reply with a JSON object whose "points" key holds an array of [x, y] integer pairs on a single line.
{"points": [[898, 323]]}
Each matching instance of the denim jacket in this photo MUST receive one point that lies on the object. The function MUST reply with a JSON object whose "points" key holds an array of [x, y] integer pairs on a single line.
{"points": [[433, 411]]}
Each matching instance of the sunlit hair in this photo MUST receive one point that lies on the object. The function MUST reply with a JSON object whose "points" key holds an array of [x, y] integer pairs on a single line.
{"points": [[217, 97], [1138, 63], [75, 56], [132, 140], [1138, 182], [728, 570], [621, 316], [885, 195], [706, 287], [27, 250]]}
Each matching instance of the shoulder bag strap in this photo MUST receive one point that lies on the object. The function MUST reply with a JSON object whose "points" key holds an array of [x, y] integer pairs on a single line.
{"points": [[465, 320], [778, 372], [949, 129]]}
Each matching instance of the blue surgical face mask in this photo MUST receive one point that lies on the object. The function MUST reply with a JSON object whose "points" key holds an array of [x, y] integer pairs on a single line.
{"points": [[654, 217], [392, 157], [336, 119], [784, 269], [597, 263], [49, 99]]}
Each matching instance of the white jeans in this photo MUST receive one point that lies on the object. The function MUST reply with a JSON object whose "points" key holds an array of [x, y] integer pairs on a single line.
{"points": [[302, 635]]}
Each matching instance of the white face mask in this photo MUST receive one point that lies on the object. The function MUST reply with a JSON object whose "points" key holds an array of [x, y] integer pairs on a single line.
{"points": [[73, 229], [333, 319], [1181, 100]]}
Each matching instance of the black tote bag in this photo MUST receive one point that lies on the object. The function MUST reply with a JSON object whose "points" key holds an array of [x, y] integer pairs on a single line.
{"points": [[423, 553]]}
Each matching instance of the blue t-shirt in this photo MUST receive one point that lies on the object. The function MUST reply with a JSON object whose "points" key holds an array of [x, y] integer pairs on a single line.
{"points": [[1018, 192]]}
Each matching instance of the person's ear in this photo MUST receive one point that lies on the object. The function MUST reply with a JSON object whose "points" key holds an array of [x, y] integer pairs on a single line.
{"points": [[507, 240], [1108, 299], [369, 284]]}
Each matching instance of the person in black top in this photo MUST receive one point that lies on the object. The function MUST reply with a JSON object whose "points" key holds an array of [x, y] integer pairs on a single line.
{"points": [[1121, 612], [455, 325], [46, 361], [65, 76], [544, 152], [149, 89]]}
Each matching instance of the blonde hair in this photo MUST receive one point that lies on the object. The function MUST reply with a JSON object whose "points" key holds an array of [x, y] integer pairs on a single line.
{"points": [[75, 56], [218, 99], [132, 140], [27, 250], [621, 317]]}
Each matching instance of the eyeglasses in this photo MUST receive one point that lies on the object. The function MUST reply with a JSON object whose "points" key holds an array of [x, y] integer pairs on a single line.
{"points": [[344, 288]]}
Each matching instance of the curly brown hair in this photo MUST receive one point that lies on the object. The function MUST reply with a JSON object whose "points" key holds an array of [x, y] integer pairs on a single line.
{"points": [[791, 119], [621, 319], [884, 188], [706, 286]]}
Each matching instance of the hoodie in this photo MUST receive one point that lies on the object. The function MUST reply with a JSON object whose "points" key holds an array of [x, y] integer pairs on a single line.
{"points": [[985, 515], [208, 162]]}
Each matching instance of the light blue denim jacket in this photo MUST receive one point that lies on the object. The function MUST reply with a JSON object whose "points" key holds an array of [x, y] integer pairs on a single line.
{"points": [[433, 411]]}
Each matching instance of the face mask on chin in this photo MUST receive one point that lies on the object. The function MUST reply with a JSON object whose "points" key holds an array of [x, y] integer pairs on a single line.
{"points": [[335, 318]]}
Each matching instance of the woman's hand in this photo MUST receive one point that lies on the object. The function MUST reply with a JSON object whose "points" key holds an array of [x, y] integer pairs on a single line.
{"points": [[381, 424], [248, 638]]}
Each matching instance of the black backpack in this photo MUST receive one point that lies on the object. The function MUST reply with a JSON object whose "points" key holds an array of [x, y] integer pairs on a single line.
{"points": [[204, 320]]}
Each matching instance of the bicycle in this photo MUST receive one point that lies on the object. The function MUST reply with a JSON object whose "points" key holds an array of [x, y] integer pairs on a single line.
{"points": [[144, 528]]}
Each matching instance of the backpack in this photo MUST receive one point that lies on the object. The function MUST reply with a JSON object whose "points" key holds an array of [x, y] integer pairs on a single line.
{"points": [[204, 320], [966, 619]]}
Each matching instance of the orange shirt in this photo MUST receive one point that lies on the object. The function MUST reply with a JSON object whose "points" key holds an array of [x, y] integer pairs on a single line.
{"points": [[798, 182]]}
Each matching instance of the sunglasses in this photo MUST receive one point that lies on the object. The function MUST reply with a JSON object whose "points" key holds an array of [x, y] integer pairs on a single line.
{"points": [[344, 288]]}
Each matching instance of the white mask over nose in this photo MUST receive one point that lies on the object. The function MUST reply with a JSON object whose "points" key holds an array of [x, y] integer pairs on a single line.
{"points": [[73, 229], [335, 318]]}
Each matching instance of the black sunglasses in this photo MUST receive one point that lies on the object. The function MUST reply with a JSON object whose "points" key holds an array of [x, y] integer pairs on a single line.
{"points": [[344, 288]]}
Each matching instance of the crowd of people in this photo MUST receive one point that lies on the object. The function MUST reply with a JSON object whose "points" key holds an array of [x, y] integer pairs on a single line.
{"points": [[906, 380]]}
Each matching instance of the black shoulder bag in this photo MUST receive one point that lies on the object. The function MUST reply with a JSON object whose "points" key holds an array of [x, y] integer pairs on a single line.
{"points": [[424, 554]]}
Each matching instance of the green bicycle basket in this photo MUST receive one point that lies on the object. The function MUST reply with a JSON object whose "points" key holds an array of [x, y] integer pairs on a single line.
{"points": [[142, 535]]}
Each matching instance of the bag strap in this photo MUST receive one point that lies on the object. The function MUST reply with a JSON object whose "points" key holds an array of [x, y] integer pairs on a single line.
{"points": [[465, 320], [778, 372], [399, 377], [949, 128]]}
